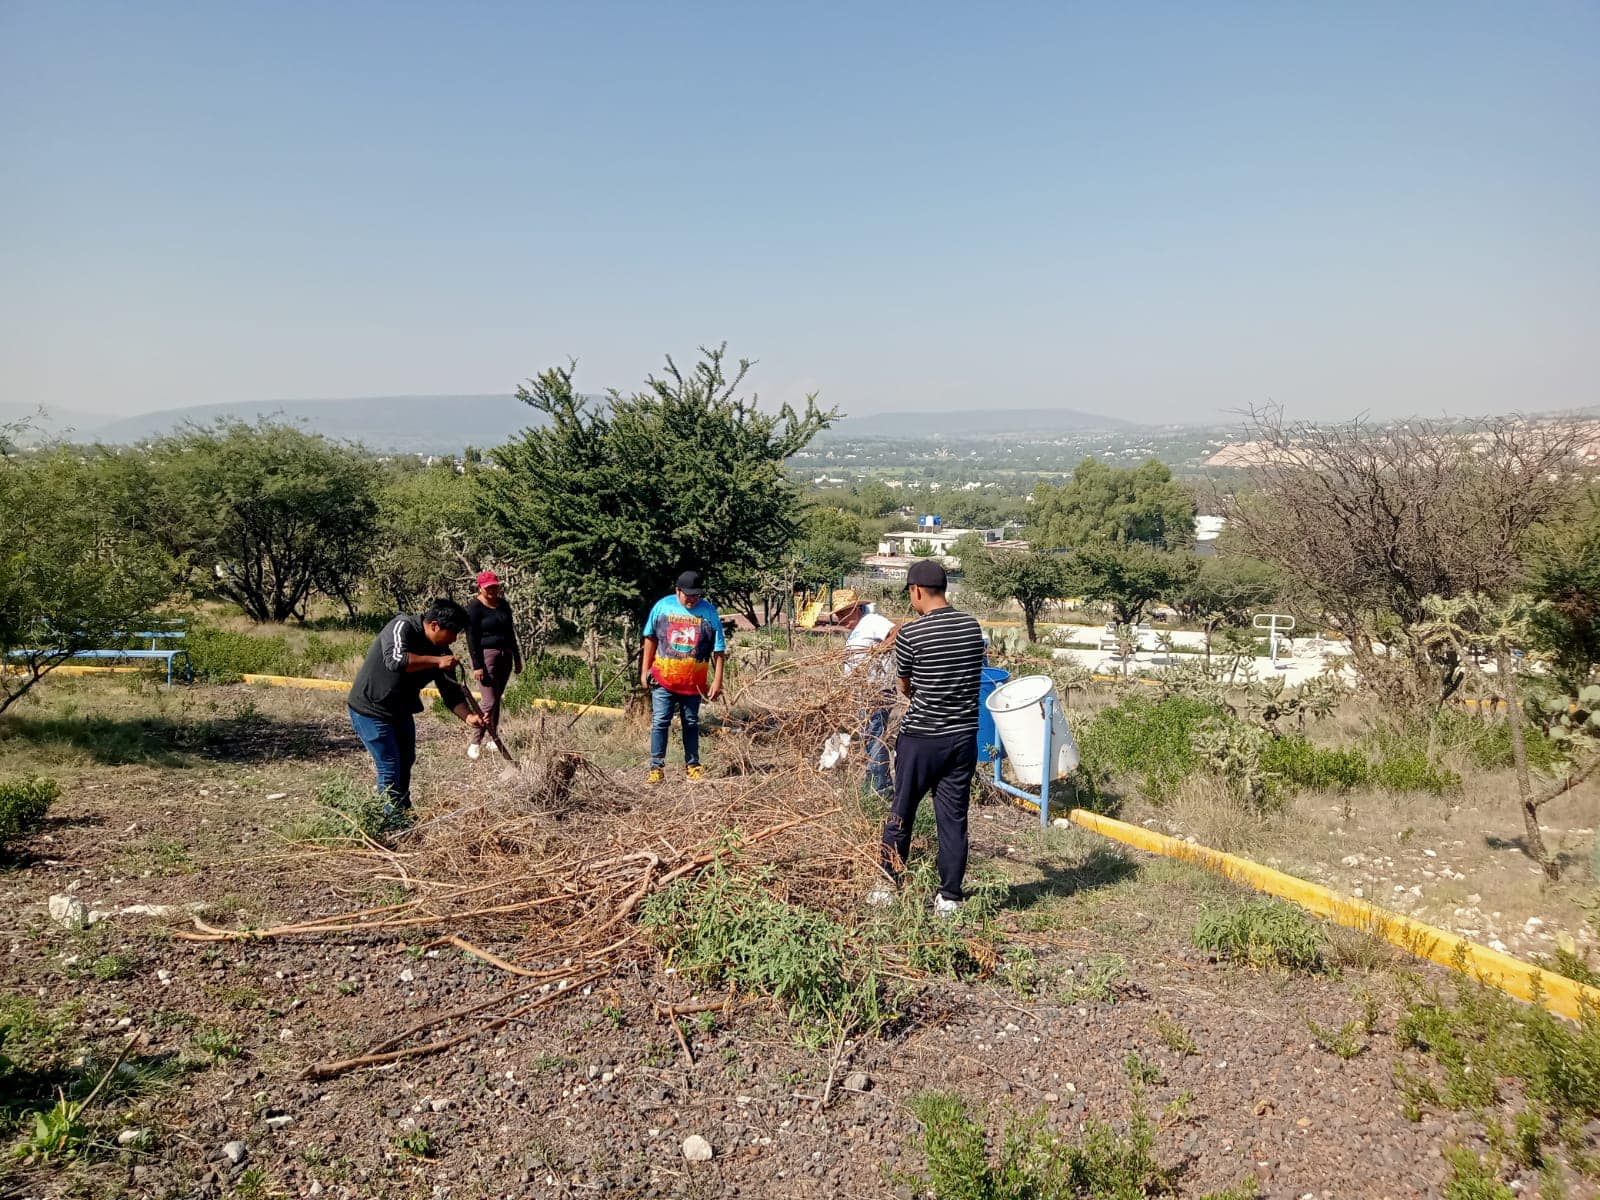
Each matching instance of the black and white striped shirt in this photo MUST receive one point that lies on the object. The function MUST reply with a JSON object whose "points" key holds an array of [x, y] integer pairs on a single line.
{"points": [[941, 653]]}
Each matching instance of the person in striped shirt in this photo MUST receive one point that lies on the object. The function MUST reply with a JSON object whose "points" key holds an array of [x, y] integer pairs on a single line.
{"points": [[939, 661]]}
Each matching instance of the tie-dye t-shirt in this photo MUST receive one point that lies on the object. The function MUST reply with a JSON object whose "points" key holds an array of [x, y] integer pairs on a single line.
{"points": [[686, 638]]}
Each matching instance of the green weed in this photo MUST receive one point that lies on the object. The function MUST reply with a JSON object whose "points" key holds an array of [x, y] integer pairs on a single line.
{"points": [[1344, 1041], [1294, 763], [416, 1144], [1101, 975], [217, 1043], [726, 927], [1262, 933], [1140, 1073], [58, 1133], [1175, 1036], [1471, 1179], [1152, 740], [1032, 1164], [1401, 763], [24, 801], [349, 810]]}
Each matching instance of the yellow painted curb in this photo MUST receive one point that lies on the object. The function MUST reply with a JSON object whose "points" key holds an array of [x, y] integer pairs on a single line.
{"points": [[342, 685], [1562, 996]]}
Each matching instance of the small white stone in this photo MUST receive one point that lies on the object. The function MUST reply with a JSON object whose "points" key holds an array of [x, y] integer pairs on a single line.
{"points": [[68, 910], [235, 1152], [696, 1148], [408, 975], [277, 795], [279, 1122], [1431, 853], [129, 1136]]}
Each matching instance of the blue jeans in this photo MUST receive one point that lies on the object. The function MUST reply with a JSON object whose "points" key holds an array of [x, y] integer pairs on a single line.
{"points": [[393, 746], [662, 705], [874, 723]]}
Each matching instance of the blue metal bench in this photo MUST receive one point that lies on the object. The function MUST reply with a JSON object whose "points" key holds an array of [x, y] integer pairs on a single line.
{"points": [[155, 651]]}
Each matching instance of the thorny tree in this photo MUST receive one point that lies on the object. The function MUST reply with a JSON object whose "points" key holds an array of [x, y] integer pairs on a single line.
{"points": [[1367, 521], [609, 501], [1473, 623]]}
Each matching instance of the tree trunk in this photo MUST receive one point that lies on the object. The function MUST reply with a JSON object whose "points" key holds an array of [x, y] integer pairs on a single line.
{"points": [[1027, 621], [1505, 667]]}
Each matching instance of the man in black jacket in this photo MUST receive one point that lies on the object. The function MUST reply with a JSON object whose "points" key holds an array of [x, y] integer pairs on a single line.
{"points": [[387, 694]]}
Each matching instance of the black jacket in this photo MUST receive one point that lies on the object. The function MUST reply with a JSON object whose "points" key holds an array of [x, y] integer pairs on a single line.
{"points": [[384, 689]]}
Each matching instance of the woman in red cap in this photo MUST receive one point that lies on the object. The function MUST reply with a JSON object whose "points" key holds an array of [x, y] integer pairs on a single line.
{"points": [[492, 642]]}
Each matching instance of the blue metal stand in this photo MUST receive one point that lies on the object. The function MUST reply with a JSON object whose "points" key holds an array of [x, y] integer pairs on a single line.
{"points": [[1046, 767]]}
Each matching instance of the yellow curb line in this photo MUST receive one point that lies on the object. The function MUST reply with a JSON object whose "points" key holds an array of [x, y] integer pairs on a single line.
{"points": [[342, 685], [1560, 995], [337, 685]]}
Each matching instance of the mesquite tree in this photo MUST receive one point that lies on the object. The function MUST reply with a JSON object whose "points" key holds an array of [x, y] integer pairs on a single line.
{"points": [[1367, 521], [270, 513], [76, 567], [609, 501]]}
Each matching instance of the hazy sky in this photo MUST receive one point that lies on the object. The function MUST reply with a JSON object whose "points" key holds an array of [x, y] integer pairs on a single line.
{"points": [[1156, 211]]}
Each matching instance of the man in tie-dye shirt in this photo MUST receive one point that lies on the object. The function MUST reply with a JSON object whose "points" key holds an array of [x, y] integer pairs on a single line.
{"points": [[683, 647]]}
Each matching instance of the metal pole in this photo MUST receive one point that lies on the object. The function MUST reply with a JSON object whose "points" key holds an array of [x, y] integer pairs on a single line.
{"points": [[1047, 708]]}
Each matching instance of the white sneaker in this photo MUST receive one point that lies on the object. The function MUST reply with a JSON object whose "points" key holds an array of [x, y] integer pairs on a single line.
{"points": [[489, 744], [946, 908], [473, 750], [881, 896]]}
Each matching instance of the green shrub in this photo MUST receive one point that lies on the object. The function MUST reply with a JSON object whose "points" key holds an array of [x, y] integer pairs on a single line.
{"points": [[727, 928], [1150, 739], [1483, 1036], [1487, 743], [1401, 763], [1033, 1164], [1261, 933], [1471, 1179], [23, 804], [566, 678], [1294, 763], [350, 810], [222, 655]]}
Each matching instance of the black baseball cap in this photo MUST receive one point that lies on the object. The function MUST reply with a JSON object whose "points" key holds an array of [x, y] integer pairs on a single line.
{"points": [[925, 572], [692, 583]]}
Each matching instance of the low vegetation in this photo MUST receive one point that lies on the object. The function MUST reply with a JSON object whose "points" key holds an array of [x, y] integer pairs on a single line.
{"points": [[1261, 933], [24, 801]]}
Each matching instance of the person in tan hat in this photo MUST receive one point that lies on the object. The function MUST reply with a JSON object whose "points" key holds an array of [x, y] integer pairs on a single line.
{"points": [[865, 631]]}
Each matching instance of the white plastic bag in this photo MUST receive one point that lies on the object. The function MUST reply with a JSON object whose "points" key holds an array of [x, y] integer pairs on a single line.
{"points": [[834, 751]]}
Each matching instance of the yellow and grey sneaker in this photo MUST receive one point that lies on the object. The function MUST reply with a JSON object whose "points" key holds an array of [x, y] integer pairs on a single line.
{"points": [[654, 777], [694, 774]]}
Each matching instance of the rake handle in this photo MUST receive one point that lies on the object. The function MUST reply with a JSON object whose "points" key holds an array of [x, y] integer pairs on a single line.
{"points": [[476, 710]]}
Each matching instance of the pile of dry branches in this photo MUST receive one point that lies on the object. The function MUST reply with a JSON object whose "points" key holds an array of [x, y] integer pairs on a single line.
{"points": [[549, 863]]}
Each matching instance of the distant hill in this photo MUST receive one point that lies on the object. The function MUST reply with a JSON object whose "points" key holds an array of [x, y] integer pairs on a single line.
{"points": [[52, 423], [978, 422], [404, 424], [447, 424]]}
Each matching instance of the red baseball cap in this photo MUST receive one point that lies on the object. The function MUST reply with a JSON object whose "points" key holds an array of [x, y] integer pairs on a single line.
{"points": [[487, 579]]}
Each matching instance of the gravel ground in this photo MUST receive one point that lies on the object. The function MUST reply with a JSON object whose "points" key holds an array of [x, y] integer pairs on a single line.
{"points": [[594, 1096]]}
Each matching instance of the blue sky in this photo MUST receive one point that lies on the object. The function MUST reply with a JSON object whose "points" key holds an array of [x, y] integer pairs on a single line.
{"points": [[1153, 211]]}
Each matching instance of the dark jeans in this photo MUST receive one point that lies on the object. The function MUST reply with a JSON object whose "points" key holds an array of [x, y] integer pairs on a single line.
{"points": [[874, 724], [662, 706], [393, 746], [496, 675], [943, 765]]}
